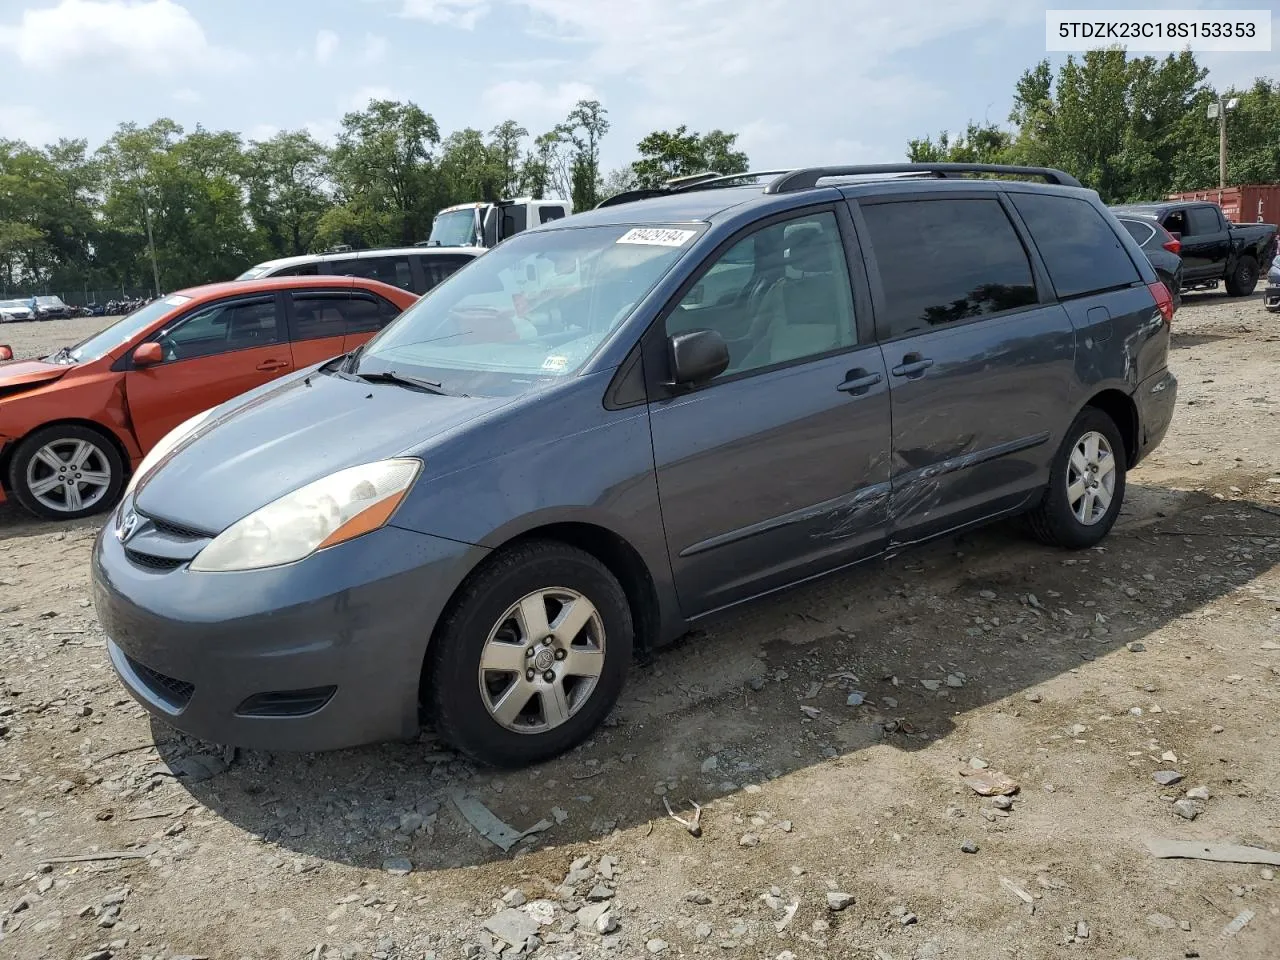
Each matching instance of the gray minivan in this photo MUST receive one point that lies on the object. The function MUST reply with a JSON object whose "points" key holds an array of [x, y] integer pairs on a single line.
{"points": [[611, 427]]}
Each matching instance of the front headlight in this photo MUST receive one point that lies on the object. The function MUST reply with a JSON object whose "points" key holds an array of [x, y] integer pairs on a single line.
{"points": [[166, 444], [330, 510]]}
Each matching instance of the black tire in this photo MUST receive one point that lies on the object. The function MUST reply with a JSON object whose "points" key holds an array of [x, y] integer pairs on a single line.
{"points": [[1053, 521], [105, 456], [1243, 278], [452, 675]]}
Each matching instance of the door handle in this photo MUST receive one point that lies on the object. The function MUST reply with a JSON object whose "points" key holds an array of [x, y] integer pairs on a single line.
{"points": [[913, 365], [269, 365], [858, 381]]}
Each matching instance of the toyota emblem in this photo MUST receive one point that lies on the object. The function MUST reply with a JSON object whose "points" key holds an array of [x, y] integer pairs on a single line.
{"points": [[127, 526]]}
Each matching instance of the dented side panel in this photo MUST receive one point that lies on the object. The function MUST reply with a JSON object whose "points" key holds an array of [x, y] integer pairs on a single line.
{"points": [[974, 435]]}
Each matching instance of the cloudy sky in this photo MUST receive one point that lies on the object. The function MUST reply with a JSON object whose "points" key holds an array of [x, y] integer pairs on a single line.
{"points": [[802, 81]]}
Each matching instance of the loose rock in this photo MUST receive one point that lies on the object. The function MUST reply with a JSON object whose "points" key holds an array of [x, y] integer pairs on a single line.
{"points": [[1167, 778], [1186, 809], [837, 901]]}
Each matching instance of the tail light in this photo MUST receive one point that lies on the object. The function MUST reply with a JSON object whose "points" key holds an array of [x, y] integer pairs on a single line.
{"points": [[1173, 245], [1164, 300]]}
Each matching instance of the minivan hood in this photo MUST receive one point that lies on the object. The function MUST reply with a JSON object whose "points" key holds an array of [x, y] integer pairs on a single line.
{"points": [[17, 373], [260, 448]]}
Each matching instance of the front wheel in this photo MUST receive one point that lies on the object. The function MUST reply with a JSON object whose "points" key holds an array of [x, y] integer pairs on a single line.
{"points": [[1243, 278], [65, 472], [1086, 484], [531, 656]]}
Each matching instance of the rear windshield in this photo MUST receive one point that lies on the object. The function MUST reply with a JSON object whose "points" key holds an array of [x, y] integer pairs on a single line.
{"points": [[531, 310], [1081, 250]]}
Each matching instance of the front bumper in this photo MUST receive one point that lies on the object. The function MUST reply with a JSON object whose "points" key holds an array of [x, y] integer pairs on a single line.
{"points": [[317, 655], [1271, 298], [1156, 398]]}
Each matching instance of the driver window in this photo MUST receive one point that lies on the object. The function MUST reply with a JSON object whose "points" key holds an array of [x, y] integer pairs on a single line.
{"points": [[222, 328], [778, 295]]}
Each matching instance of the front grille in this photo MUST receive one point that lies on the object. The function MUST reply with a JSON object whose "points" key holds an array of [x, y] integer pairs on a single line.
{"points": [[151, 562], [177, 693], [174, 529]]}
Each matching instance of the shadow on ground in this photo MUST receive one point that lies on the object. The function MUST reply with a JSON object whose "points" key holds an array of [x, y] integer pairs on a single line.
{"points": [[987, 616]]}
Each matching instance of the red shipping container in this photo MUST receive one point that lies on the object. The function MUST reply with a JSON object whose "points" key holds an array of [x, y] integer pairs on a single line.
{"points": [[1253, 203]]}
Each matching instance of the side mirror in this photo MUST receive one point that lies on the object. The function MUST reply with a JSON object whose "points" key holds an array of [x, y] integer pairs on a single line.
{"points": [[148, 355], [697, 356], [6, 352]]}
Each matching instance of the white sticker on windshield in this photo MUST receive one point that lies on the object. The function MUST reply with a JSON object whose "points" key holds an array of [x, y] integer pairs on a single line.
{"points": [[177, 300], [555, 363], [657, 236]]}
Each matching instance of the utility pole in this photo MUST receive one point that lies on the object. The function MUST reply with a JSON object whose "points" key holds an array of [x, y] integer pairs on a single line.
{"points": [[1219, 109]]}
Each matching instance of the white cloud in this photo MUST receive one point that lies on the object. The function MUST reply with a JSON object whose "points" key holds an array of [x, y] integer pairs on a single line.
{"points": [[359, 99], [187, 95], [531, 103], [150, 36], [21, 122], [375, 48], [326, 45], [463, 14], [794, 76], [261, 132]]}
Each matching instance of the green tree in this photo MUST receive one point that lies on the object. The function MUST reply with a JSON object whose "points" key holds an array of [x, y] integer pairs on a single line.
{"points": [[978, 144], [288, 190], [384, 168], [505, 142], [470, 168], [584, 128], [677, 153]]}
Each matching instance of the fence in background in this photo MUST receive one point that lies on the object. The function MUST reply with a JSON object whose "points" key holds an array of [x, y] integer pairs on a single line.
{"points": [[76, 298]]}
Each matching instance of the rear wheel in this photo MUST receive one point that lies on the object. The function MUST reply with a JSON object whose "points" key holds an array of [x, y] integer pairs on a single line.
{"points": [[1243, 278], [66, 471], [1086, 484], [531, 656]]}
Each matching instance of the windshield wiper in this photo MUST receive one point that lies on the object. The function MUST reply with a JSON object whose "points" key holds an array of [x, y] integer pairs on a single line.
{"points": [[404, 379]]}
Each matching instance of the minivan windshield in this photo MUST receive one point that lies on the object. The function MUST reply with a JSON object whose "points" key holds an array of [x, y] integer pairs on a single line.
{"points": [[120, 332], [253, 273], [530, 310]]}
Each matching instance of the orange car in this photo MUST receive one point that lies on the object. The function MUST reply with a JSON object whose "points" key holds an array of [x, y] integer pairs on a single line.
{"points": [[73, 424]]}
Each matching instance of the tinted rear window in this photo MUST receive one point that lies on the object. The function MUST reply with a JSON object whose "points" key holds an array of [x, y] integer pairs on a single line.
{"points": [[942, 261], [1139, 230], [1080, 248]]}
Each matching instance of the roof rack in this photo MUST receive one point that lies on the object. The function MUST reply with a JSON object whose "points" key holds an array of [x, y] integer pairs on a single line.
{"points": [[808, 177], [693, 181]]}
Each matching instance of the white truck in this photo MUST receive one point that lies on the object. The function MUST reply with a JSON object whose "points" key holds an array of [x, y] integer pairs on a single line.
{"points": [[488, 224]]}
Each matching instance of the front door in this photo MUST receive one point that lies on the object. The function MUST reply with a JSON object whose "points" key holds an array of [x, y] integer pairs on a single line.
{"points": [[1205, 241], [777, 469], [215, 352], [980, 370]]}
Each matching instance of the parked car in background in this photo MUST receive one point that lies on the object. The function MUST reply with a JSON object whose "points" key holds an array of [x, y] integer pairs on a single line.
{"points": [[73, 423], [1161, 248], [416, 269], [573, 448], [52, 308], [1271, 296], [11, 311], [1213, 250]]}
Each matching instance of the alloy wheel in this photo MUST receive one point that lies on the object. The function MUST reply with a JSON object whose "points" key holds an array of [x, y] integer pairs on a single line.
{"points": [[69, 475], [1091, 478]]}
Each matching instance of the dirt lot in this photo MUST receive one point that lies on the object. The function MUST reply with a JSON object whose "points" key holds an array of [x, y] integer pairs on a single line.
{"points": [[1079, 675]]}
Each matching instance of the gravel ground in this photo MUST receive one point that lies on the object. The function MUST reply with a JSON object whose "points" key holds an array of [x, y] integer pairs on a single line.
{"points": [[829, 827]]}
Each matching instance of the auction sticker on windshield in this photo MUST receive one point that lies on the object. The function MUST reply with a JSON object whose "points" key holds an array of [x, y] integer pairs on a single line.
{"points": [[177, 300], [657, 237]]}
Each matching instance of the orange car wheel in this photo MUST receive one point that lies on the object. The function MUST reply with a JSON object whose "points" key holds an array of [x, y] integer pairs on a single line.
{"points": [[66, 471]]}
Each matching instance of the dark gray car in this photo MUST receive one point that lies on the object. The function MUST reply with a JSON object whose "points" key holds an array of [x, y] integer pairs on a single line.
{"points": [[611, 427]]}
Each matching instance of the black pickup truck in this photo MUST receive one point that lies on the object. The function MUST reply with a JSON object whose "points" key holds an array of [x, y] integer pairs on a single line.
{"points": [[1213, 249]]}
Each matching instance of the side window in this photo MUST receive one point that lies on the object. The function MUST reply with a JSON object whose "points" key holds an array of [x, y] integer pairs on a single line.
{"points": [[547, 214], [944, 261], [1203, 220], [1079, 246], [319, 314], [394, 270], [1142, 232], [1176, 222], [436, 267], [776, 296], [514, 220], [367, 313], [222, 328]]}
